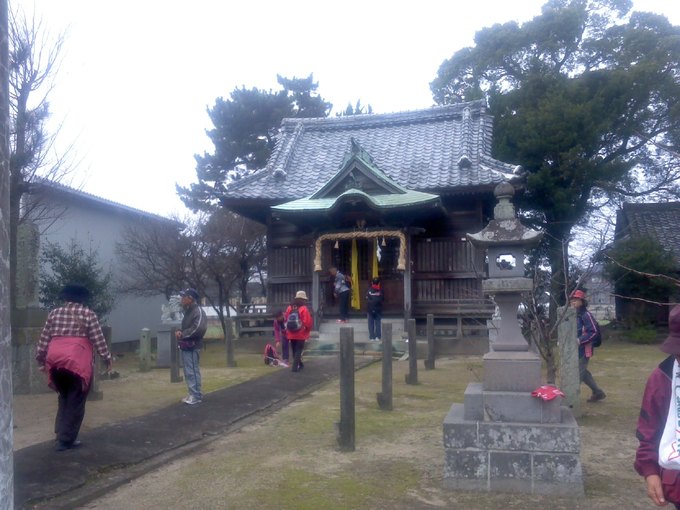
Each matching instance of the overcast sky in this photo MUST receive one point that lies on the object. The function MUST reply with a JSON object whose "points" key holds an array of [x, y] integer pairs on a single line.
{"points": [[137, 75]]}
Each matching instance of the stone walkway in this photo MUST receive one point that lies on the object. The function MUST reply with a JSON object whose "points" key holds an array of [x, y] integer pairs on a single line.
{"points": [[117, 453]]}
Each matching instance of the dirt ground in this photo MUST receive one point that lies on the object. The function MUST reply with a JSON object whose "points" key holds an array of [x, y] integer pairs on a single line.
{"points": [[289, 460]]}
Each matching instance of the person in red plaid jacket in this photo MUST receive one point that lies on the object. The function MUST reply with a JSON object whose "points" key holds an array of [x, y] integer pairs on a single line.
{"points": [[65, 352]]}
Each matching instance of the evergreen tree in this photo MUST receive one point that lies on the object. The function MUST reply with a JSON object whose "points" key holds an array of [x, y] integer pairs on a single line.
{"points": [[244, 134], [75, 265], [583, 96]]}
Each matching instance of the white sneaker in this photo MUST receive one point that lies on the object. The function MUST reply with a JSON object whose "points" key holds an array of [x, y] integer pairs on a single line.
{"points": [[186, 399], [192, 400], [371, 339]]}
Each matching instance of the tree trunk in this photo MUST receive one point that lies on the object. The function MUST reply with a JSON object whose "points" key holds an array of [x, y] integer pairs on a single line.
{"points": [[6, 420]]}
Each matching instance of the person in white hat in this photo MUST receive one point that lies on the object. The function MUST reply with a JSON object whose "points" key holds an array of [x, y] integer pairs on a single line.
{"points": [[298, 327], [657, 458]]}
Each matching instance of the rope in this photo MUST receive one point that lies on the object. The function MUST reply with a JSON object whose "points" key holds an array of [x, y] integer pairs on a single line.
{"points": [[401, 262]]}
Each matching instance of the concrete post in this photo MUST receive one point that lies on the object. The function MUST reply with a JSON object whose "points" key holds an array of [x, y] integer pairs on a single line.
{"points": [[569, 378], [6, 416], [429, 361], [412, 376], [145, 350], [174, 358], [231, 362], [95, 392], [385, 397], [346, 426]]}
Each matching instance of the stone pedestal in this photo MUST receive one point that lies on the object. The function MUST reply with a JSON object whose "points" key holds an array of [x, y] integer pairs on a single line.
{"points": [[503, 439], [163, 343], [27, 324]]}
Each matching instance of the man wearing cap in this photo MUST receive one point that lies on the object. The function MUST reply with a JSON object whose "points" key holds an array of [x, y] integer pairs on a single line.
{"points": [[190, 341], [658, 457], [587, 331], [298, 338], [65, 352]]}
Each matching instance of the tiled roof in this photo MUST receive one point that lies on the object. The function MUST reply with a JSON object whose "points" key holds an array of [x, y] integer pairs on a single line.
{"points": [[659, 221], [440, 149]]}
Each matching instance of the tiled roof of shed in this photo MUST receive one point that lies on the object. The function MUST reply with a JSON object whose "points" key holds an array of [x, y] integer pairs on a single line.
{"points": [[440, 149], [659, 221]]}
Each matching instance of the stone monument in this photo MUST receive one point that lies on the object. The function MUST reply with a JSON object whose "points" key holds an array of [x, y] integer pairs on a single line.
{"points": [[502, 438], [171, 317], [27, 317]]}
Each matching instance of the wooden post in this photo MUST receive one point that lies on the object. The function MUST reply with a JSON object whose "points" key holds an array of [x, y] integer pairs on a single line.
{"points": [[346, 426], [174, 358], [229, 340], [385, 397], [459, 323], [412, 376], [145, 350], [429, 362], [96, 393]]}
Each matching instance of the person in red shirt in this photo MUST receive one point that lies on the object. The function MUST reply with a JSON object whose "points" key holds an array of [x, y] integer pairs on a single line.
{"points": [[657, 458], [65, 352], [298, 333]]}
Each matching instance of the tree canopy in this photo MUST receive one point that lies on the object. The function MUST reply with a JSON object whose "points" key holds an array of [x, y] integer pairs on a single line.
{"points": [[583, 97], [244, 134]]}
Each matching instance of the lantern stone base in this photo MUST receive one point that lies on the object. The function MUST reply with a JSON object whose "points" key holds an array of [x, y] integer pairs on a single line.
{"points": [[535, 458], [503, 439]]}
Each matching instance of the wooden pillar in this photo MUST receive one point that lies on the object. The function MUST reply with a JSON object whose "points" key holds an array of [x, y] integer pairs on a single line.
{"points": [[408, 307], [316, 299], [412, 376], [429, 362], [174, 358], [145, 350], [385, 397], [346, 426], [229, 341]]}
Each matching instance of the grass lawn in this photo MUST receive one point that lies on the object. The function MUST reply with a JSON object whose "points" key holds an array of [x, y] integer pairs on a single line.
{"points": [[290, 460]]}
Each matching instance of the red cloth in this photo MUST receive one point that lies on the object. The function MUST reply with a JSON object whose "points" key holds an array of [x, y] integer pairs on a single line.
{"points": [[73, 354], [547, 392], [307, 323], [651, 422]]}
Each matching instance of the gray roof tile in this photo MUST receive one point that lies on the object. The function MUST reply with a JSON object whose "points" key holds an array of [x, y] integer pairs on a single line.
{"points": [[659, 221], [419, 150]]}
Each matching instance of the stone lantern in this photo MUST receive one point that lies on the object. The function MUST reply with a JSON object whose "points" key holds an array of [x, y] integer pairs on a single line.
{"points": [[502, 438], [505, 240]]}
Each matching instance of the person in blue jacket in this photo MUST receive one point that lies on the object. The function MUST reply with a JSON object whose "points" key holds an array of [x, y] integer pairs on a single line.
{"points": [[587, 331], [374, 302]]}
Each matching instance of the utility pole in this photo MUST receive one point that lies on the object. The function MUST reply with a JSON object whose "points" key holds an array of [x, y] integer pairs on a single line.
{"points": [[6, 413]]}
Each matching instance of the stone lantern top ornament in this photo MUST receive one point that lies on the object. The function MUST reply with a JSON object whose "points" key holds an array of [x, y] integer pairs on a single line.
{"points": [[505, 228]]}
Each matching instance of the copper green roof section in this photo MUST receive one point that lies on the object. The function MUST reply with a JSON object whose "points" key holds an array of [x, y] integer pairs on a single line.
{"points": [[378, 202]]}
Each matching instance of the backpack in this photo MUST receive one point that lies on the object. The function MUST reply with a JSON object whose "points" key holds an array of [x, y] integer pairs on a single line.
{"points": [[348, 281], [294, 322], [597, 341]]}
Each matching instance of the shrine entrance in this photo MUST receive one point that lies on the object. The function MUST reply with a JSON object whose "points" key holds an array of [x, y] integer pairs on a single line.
{"points": [[363, 259]]}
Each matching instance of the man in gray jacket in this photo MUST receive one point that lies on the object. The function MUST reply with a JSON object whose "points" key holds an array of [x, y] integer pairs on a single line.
{"points": [[190, 341]]}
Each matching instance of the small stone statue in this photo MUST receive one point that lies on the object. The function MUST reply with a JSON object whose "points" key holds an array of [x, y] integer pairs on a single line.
{"points": [[172, 312]]}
